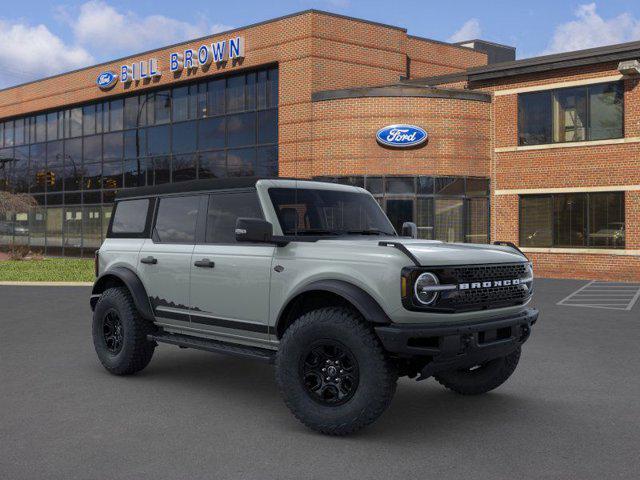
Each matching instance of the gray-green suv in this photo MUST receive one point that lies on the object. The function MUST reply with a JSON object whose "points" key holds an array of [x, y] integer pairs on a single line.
{"points": [[312, 277]]}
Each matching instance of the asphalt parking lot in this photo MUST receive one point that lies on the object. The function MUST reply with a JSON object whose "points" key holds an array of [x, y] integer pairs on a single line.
{"points": [[571, 410]]}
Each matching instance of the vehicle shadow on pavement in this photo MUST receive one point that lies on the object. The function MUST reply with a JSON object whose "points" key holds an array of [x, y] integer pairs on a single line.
{"points": [[416, 408]]}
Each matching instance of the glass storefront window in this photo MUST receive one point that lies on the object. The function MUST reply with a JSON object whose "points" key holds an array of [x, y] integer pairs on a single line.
{"points": [[116, 115], [400, 185], [374, 185], [184, 137], [424, 218], [267, 161], [211, 133], [184, 167], [162, 107], [241, 162], [577, 220], [591, 112], [235, 94], [477, 226], [450, 186], [74, 159], [72, 230], [158, 140], [449, 219], [212, 165], [92, 226], [241, 130], [570, 115]]}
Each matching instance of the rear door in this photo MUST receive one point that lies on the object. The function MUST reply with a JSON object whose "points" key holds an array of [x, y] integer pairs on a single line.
{"points": [[164, 262], [230, 280]]}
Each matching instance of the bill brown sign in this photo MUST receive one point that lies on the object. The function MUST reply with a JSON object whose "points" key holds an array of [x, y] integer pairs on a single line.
{"points": [[189, 59]]}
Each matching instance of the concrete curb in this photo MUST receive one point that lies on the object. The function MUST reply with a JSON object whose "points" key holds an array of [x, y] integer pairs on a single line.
{"points": [[47, 284]]}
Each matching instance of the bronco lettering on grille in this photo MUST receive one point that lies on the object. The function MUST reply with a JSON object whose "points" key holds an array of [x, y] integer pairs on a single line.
{"points": [[488, 284]]}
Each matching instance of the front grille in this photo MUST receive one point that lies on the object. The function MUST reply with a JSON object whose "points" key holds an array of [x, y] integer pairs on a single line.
{"points": [[483, 297], [494, 272]]}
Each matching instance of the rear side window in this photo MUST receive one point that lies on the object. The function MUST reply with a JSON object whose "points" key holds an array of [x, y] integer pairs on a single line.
{"points": [[130, 217], [176, 219], [224, 210]]}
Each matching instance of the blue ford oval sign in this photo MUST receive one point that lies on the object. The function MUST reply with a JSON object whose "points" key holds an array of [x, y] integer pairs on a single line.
{"points": [[106, 80], [401, 136]]}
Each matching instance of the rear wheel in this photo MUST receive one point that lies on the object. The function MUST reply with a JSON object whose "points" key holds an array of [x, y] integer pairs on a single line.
{"points": [[480, 378], [120, 333], [333, 373]]}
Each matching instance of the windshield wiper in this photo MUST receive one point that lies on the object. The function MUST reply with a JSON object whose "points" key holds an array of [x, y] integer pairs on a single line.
{"points": [[369, 231]]}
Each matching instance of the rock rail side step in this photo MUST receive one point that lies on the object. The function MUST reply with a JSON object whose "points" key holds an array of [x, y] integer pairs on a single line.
{"points": [[209, 345]]}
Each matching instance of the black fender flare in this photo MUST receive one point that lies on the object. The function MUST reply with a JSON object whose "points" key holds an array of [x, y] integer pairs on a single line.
{"points": [[133, 284], [368, 307]]}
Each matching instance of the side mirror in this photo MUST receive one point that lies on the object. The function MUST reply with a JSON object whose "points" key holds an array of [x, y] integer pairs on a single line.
{"points": [[254, 230], [409, 229]]}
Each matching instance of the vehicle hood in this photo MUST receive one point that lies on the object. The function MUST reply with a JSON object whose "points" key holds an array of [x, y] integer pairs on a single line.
{"points": [[436, 253]]}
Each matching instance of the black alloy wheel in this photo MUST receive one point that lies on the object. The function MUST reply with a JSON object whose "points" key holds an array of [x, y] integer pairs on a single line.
{"points": [[112, 332], [329, 372]]}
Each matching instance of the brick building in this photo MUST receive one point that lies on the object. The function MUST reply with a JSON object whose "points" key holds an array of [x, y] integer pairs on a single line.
{"points": [[541, 152]]}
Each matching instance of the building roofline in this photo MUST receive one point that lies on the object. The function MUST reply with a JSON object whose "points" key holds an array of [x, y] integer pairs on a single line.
{"points": [[226, 32], [441, 42], [556, 61], [400, 90], [435, 79], [496, 44]]}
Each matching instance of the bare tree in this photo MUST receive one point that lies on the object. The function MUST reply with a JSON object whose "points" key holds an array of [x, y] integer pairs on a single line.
{"points": [[15, 202]]}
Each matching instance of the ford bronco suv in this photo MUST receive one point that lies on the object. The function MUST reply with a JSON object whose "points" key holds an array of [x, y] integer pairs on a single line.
{"points": [[312, 277]]}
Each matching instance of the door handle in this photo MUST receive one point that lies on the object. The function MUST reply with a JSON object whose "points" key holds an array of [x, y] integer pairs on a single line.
{"points": [[204, 263], [149, 260]]}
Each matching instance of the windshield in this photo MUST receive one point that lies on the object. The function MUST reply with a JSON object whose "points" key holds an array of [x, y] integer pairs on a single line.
{"points": [[328, 212]]}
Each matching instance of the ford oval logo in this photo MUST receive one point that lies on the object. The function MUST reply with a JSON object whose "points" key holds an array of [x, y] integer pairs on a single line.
{"points": [[401, 136], [106, 80]]}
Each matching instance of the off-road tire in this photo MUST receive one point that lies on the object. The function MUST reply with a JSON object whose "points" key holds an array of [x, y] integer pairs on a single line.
{"points": [[482, 379], [377, 376], [136, 351]]}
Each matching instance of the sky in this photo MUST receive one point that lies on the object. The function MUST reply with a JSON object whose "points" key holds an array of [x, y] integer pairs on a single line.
{"points": [[39, 38]]}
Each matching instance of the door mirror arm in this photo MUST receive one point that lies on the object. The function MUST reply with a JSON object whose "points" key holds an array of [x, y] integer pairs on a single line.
{"points": [[409, 229]]}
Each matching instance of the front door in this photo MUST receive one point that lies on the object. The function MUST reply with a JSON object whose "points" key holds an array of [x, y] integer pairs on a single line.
{"points": [[164, 262], [229, 280]]}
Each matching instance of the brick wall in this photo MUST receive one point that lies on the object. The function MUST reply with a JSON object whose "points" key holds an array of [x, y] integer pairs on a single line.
{"points": [[429, 58], [344, 141], [566, 167]]}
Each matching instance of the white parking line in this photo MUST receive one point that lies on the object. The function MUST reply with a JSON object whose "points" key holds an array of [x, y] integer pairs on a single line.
{"points": [[595, 294]]}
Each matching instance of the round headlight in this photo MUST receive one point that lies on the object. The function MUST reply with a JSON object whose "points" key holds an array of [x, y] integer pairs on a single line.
{"points": [[421, 288]]}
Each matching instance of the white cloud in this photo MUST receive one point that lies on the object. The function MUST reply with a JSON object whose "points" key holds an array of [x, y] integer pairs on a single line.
{"points": [[29, 52], [107, 31], [469, 31], [589, 29], [98, 32]]}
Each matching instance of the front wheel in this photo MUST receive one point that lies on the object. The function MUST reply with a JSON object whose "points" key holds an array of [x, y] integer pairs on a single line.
{"points": [[120, 333], [333, 373], [480, 378]]}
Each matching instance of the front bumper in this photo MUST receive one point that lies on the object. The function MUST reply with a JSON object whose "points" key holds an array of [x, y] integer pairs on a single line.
{"points": [[451, 346]]}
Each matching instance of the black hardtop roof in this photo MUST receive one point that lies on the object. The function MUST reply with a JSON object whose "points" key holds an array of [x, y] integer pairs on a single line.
{"points": [[189, 186], [203, 185]]}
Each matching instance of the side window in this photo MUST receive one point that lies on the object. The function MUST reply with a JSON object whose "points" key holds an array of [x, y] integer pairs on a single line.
{"points": [[224, 210], [176, 219], [130, 216]]}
